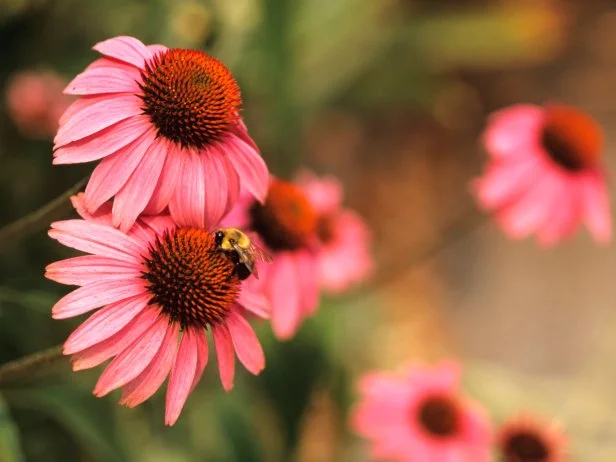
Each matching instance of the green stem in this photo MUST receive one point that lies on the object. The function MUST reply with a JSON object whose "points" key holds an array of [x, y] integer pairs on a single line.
{"points": [[30, 364], [38, 219]]}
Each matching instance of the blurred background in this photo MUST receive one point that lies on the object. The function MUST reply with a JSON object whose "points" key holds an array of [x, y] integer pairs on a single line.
{"points": [[390, 96]]}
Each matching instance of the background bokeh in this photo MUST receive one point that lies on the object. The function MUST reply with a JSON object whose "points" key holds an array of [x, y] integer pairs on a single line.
{"points": [[389, 95]]}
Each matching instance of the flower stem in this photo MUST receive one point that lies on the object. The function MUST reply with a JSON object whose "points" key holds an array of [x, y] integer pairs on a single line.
{"points": [[39, 218], [30, 364]]}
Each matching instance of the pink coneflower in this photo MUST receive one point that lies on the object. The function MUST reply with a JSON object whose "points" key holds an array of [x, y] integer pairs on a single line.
{"points": [[344, 238], [35, 102], [156, 284], [524, 439], [166, 124], [420, 416], [545, 175], [285, 226]]}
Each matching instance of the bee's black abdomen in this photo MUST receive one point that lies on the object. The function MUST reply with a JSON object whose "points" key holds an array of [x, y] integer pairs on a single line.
{"points": [[242, 271]]}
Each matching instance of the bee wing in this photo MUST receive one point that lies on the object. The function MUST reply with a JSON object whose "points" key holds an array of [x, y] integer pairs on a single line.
{"points": [[260, 254]]}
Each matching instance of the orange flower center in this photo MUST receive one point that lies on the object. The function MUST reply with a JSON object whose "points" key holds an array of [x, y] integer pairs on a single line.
{"points": [[573, 139], [439, 416], [191, 98], [525, 446], [189, 279], [286, 221]]}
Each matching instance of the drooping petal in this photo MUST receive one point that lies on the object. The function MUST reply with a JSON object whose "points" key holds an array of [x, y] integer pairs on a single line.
{"points": [[96, 239], [103, 81], [525, 216], [103, 143], [182, 377], [512, 130], [169, 177], [221, 187], [187, 206], [307, 269], [87, 269], [114, 171], [284, 290], [156, 49], [325, 193], [145, 385], [96, 117], [95, 295], [251, 168], [505, 182], [596, 207], [565, 217], [101, 352], [130, 201], [126, 49], [253, 299], [131, 362], [202, 356], [105, 323], [225, 355], [246, 343]]}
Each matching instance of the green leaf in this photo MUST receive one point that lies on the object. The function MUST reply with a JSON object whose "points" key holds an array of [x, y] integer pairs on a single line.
{"points": [[10, 449]]}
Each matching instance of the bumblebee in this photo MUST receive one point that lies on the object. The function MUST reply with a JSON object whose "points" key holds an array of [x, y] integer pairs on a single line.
{"points": [[242, 251]]}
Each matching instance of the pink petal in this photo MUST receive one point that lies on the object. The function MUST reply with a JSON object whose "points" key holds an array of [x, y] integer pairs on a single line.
{"points": [[97, 239], [534, 208], [79, 105], [103, 143], [505, 182], [98, 116], [95, 295], [565, 216], [246, 343], [166, 182], [512, 130], [104, 80], [114, 171], [182, 376], [145, 385], [225, 355], [596, 207], [202, 356], [113, 64], [253, 299], [126, 49], [101, 352], [132, 361], [105, 323], [222, 187], [156, 49], [130, 201], [159, 224], [87, 269], [187, 206], [325, 193], [307, 268], [284, 291], [251, 168]]}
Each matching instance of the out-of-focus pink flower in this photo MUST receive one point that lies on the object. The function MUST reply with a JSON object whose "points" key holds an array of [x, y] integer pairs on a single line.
{"points": [[166, 124], [420, 416], [344, 238], [525, 439], [152, 286], [285, 226], [35, 102], [545, 174]]}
